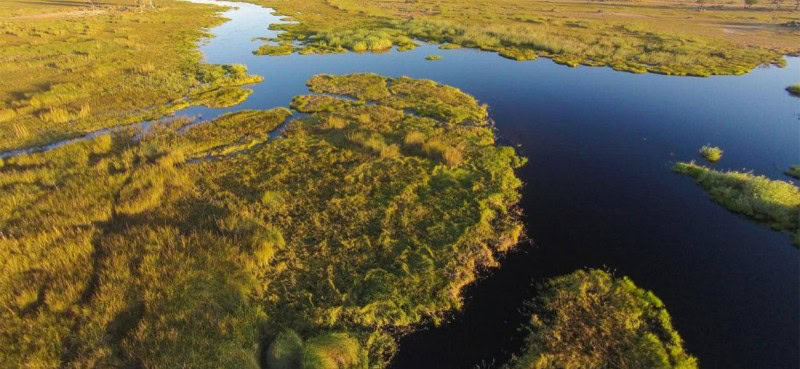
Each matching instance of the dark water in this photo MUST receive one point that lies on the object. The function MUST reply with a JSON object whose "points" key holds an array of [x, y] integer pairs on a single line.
{"points": [[599, 191]]}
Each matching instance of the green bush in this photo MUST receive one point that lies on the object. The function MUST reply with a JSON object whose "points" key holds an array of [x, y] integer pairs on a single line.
{"points": [[286, 351], [332, 351], [591, 320], [711, 153]]}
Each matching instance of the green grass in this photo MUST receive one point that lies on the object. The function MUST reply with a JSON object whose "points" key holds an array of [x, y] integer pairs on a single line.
{"points": [[589, 319], [68, 70], [794, 89], [773, 202], [433, 57], [222, 97], [205, 246], [711, 153], [648, 36], [284, 48], [794, 171]]}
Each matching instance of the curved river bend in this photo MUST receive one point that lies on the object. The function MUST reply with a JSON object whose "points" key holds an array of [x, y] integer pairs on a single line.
{"points": [[599, 191]]}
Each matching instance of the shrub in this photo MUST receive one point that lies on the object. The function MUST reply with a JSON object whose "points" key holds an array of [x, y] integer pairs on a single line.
{"points": [[56, 115], [334, 122], [433, 57], [711, 153], [452, 156], [286, 351], [331, 351], [414, 138], [591, 320], [793, 89]]}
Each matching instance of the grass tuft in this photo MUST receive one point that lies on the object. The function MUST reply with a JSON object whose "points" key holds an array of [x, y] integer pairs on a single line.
{"points": [[711, 153]]}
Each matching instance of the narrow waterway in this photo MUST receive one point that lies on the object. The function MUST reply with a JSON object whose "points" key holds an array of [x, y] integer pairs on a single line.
{"points": [[598, 191]]}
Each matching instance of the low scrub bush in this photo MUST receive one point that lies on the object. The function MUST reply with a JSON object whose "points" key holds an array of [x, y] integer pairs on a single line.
{"points": [[589, 319]]}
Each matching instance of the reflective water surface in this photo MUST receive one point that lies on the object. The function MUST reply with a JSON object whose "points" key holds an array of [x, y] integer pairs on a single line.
{"points": [[599, 191]]}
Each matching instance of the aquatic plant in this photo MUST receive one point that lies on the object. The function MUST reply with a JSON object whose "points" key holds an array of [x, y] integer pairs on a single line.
{"points": [[590, 319], [711, 153], [222, 97], [794, 89], [284, 48], [433, 57], [774, 202], [794, 171]]}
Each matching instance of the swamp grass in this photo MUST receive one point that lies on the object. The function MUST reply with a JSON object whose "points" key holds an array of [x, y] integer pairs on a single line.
{"points": [[649, 36], [775, 203], [794, 171], [591, 319], [433, 57], [213, 246], [68, 69], [794, 89], [711, 153]]}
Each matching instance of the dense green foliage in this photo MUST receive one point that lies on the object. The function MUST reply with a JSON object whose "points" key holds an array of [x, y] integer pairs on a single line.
{"points": [[68, 70], [591, 320], [649, 36], [794, 171], [711, 153], [213, 246], [774, 202], [794, 89], [433, 57]]}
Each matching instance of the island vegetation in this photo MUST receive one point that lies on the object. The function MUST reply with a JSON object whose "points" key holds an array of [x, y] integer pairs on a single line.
{"points": [[678, 38], [433, 57], [589, 319], [794, 171], [213, 246], [711, 153], [775, 203], [794, 89]]}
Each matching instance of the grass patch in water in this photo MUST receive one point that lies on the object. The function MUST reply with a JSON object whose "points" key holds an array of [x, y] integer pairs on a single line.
{"points": [[773, 202], [222, 97], [590, 319], [205, 245], [711, 153], [794, 89], [794, 171], [433, 57], [285, 48]]}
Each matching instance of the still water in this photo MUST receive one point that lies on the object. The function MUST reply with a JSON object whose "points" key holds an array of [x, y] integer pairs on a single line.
{"points": [[598, 189]]}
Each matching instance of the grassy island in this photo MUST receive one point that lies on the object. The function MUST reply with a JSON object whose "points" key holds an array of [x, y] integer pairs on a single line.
{"points": [[213, 246], [794, 89], [773, 202], [591, 320], [676, 38], [711, 153]]}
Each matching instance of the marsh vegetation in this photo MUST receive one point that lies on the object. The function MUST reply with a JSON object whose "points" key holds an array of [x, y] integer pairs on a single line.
{"points": [[651, 36], [208, 246], [711, 153], [67, 72], [590, 319], [775, 203]]}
